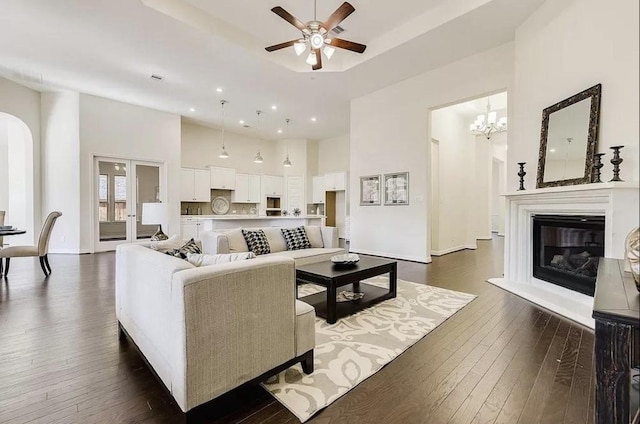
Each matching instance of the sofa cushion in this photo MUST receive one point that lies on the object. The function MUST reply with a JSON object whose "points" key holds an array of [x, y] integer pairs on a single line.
{"points": [[236, 240], [310, 256], [202, 259], [189, 247], [296, 238], [314, 235], [275, 239], [256, 241]]}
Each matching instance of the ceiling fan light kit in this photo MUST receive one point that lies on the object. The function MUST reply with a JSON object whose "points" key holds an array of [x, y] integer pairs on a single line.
{"points": [[314, 35]]}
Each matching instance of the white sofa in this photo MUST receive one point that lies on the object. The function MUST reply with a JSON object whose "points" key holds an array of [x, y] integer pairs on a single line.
{"points": [[206, 330], [323, 240]]}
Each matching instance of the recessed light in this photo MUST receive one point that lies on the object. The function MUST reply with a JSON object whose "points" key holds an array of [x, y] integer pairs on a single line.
{"points": [[241, 121], [219, 89], [192, 109], [279, 131], [313, 119], [552, 150], [274, 107]]}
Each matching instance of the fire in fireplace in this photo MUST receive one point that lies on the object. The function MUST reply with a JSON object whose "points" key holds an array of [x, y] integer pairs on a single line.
{"points": [[566, 250]]}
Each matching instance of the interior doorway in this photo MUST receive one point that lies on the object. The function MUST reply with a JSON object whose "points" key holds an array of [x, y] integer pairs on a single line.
{"points": [[465, 139], [121, 187]]}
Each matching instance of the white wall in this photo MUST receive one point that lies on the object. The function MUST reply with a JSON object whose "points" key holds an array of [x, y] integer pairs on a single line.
{"points": [[390, 133], [24, 104], [333, 154], [114, 129], [481, 188], [4, 162], [563, 48], [201, 146], [456, 194], [61, 168]]}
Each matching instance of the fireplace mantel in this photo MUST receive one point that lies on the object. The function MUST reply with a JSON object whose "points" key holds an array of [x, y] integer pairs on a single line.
{"points": [[617, 202]]}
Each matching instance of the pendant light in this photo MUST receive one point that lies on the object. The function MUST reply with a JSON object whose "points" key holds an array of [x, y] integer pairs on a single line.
{"points": [[287, 162], [258, 157], [223, 152]]}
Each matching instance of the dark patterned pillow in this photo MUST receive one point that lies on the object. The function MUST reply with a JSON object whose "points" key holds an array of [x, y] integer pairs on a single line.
{"points": [[181, 252], [296, 238], [256, 241]]}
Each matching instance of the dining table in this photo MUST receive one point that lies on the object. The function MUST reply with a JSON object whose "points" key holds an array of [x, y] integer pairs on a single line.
{"points": [[3, 233]]}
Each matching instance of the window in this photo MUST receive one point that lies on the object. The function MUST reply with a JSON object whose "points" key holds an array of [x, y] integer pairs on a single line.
{"points": [[103, 198], [120, 197]]}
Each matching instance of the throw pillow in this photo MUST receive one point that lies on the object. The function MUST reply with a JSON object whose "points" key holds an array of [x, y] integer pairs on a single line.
{"points": [[256, 241], [172, 243], [296, 238], [189, 247], [202, 259]]}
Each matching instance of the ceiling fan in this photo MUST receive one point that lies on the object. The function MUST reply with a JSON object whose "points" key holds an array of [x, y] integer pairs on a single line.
{"points": [[315, 35]]}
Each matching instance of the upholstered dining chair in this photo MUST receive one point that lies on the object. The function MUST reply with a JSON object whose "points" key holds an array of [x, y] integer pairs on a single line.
{"points": [[40, 250]]}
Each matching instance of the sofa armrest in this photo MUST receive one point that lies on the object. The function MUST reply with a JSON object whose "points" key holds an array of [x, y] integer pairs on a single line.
{"points": [[214, 243], [239, 321], [330, 236]]}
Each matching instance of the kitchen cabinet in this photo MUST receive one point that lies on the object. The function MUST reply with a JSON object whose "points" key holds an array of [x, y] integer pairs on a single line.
{"points": [[247, 189], [194, 185], [336, 181], [222, 178], [295, 193], [192, 228], [318, 189], [272, 185]]}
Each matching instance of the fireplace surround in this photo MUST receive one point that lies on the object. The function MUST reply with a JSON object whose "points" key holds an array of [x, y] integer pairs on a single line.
{"points": [[617, 202]]}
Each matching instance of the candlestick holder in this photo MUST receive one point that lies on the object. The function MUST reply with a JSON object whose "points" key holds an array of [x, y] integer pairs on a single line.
{"points": [[616, 161], [521, 174], [597, 166]]}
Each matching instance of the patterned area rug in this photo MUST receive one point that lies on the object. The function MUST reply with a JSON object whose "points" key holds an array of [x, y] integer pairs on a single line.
{"points": [[357, 346]]}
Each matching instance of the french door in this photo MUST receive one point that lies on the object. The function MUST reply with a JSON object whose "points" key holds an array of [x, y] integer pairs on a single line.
{"points": [[121, 186]]}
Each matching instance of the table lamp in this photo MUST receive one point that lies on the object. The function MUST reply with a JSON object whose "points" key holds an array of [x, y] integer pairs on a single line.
{"points": [[152, 214]]}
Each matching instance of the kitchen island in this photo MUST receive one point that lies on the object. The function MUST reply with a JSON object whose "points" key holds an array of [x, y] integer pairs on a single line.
{"points": [[192, 225]]}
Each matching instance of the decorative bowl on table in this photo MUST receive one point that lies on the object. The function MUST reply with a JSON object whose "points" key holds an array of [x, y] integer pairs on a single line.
{"points": [[346, 259]]}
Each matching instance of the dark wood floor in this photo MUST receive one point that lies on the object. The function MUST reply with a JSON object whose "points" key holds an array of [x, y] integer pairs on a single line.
{"points": [[499, 360]]}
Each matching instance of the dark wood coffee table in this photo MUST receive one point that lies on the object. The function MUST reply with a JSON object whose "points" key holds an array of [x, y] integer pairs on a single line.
{"points": [[349, 278]]}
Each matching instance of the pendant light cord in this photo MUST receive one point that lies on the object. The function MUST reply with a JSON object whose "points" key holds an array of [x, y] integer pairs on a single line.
{"points": [[222, 102]]}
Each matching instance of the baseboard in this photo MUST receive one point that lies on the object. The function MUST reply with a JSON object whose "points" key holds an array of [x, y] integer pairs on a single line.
{"points": [[426, 260], [452, 249], [484, 238], [471, 246]]}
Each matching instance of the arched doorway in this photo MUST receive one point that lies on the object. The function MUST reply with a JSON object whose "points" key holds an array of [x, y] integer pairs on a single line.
{"points": [[16, 177]]}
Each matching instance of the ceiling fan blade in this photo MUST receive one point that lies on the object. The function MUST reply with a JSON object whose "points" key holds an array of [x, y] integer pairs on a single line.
{"points": [[338, 16], [281, 45], [318, 64], [348, 45], [289, 18]]}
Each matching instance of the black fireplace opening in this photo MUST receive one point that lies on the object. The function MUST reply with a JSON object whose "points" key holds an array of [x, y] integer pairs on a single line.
{"points": [[566, 250]]}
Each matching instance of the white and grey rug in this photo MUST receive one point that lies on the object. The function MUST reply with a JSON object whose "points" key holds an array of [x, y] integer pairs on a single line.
{"points": [[357, 346]]}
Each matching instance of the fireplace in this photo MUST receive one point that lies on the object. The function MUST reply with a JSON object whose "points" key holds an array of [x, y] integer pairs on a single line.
{"points": [[566, 250]]}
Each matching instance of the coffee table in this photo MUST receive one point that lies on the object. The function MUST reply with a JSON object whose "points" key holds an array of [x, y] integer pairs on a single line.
{"points": [[333, 277]]}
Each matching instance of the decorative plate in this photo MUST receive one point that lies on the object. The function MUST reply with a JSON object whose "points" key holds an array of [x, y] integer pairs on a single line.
{"points": [[347, 259], [220, 205]]}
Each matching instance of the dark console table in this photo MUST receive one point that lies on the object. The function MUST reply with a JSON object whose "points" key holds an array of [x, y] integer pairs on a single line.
{"points": [[616, 309]]}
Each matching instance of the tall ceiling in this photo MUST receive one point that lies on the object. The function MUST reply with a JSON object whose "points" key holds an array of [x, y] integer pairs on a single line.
{"points": [[110, 48]]}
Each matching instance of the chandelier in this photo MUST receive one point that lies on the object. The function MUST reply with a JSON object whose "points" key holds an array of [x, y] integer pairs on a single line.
{"points": [[488, 124]]}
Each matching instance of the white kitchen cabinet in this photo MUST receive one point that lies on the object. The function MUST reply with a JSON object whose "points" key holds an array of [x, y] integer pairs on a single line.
{"points": [[272, 185], [223, 178], [194, 185], [318, 189], [336, 181], [295, 193], [192, 228], [247, 189]]}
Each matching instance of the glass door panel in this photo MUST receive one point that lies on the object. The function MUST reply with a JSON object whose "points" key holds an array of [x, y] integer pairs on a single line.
{"points": [[121, 187]]}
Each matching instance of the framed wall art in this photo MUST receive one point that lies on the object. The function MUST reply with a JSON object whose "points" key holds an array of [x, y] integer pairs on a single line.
{"points": [[370, 190], [396, 189]]}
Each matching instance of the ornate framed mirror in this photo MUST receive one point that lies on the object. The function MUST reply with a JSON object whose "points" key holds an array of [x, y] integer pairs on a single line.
{"points": [[568, 140]]}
